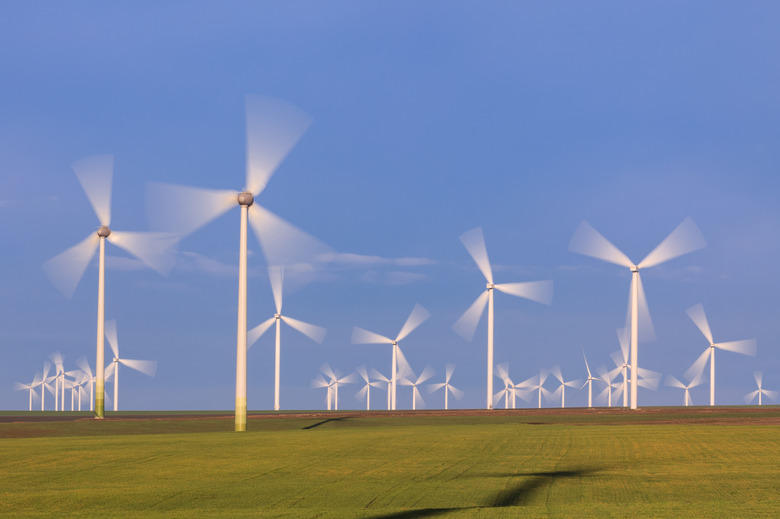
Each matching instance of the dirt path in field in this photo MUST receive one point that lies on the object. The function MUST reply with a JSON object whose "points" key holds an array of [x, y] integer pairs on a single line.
{"points": [[767, 415]]}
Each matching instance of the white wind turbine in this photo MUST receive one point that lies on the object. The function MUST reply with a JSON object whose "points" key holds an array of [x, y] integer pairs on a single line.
{"points": [[760, 391], [674, 382], [66, 270], [745, 347], [45, 385], [88, 378], [273, 129], [448, 388], [336, 380], [410, 379], [608, 377], [540, 291], [556, 371], [502, 371], [366, 390], [147, 367], [362, 336], [18, 386], [315, 333], [589, 381], [684, 239], [320, 382], [536, 383], [388, 385]]}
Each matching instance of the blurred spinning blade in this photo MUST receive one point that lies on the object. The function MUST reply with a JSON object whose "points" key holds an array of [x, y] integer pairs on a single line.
{"points": [[67, 268], [95, 175]]}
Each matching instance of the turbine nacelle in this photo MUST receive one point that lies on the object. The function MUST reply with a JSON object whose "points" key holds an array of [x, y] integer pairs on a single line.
{"points": [[490, 286], [104, 231], [277, 316], [634, 268], [246, 198]]}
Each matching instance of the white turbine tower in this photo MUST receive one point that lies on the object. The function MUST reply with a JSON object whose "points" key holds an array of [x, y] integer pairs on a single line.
{"points": [[147, 367], [361, 336], [388, 385], [674, 382], [536, 383], [684, 239], [18, 386], [540, 291], [448, 388], [45, 385], [335, 381], [589, 381], [410, 379], [315, 333], [366, 390], [273, 129], [556, 371], [760, 391], [320, 382], [89, 378], [59, 380], [745, 347], [66, 270]]}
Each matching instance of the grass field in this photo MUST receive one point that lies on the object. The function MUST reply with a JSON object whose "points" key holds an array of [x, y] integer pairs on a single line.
{"points": [[685, 463]]}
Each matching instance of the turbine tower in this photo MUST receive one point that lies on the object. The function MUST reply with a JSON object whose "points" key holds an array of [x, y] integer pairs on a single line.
{"points": [[448, 388], [745, 347], [540, 291], [684, 239], [66, 270], [273, 128], [589, 381], [361, 336], [760, 391], [147, 367]]}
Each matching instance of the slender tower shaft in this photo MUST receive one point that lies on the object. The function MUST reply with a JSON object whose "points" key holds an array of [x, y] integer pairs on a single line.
{"points": [[31, 390], [62, 391], [590, 392], [540, 396], [759, 396], [368, 397], [446, 391], [116, 385], [625, 385], [490, 349], [277, 362], [392, 375], [101, 323], [712, 375], [57, 392], [336, 396], [634, 335], [241, 333]]}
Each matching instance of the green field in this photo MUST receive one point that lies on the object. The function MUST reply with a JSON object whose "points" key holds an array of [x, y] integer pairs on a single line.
{"points": [[683, 464]]}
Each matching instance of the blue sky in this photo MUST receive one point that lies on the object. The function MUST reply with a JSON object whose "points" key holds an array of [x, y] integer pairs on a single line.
{"points": [[429, 119]]}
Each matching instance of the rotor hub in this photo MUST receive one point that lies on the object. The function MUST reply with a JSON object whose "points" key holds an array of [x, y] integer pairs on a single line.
{"points": [[278, 316], [634, 268], [104, 231], [490, 286], [245, 198]]}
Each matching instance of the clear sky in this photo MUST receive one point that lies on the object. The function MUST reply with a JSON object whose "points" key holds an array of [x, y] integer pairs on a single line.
{"points": [[429, 119]]}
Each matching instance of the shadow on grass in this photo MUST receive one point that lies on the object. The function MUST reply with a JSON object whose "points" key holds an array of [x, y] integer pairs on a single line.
{"points": [[519, 494], [312, 426]]}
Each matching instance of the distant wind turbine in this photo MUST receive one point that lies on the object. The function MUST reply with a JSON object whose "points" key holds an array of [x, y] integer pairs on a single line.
{"points": [[361, 336], [589, 381], [320, 382], [608, 377], [147, 367], [88, 378], [66, 270], [366, 390], [410, 379], [684, 239], [18, 386], [674, 382], [315, 333], [745, 347], [539, 291], [336, 380], [448, 388], [760, 391], [502, 371], [388, 385], [556, 371]]}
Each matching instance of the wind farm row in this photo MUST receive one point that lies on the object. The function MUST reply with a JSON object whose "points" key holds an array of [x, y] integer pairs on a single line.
{"points": [[295, 257]]}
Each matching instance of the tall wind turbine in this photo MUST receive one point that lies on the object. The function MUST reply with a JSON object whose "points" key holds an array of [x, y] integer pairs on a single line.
{"points": [[66, 270], [684, 239], [589, 381], [556, 371], [536, 383], [608, 377], [448, 388], [410, 379], [273, 128], [745, 347], [18, 386], [540, 291], [315, 333], [674, 382], [361, 336], [388, 385], [760, 391], [147, 367], [336, 380]]}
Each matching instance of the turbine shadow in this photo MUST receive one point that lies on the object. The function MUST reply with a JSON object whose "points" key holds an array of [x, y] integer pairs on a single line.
{"points": [[312, 426]]}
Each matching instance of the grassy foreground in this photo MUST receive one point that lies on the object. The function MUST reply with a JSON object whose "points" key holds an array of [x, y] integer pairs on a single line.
{"points": [[388, 467]]}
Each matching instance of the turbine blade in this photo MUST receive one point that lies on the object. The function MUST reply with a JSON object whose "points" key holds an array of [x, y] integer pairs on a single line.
{"points": [[95, 174], [255, 333], [616, 358], [109, 371], [474, 241], [539, 291], [746, 347], [457, 393], [750, 396], [432, 388], [111, 336], [361, 370], [376, 374], [449, 369], [313, 332], [646, 330], [156, 249], [556, 372], [360, 395], [318, 381], [684, 239], [273, 127], [147, 367], [467, 324], [404, 368], [361, 336], [771, 394], [420, 400], [418, 316], [276, 277], [425, 375], [67, 268], [759, 376], [183, 209], [590, 242], [502, 371], [328, 372], [57, 359], [697, 368], [624, 340], [586, 364], [699, 318], [672, 381]]}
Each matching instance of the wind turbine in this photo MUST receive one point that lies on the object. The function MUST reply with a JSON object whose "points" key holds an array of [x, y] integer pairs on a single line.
{"points": [[502, 371], [448, 388], [18, 386], [608, 377], [674, 382], [335, 380], [556, 371], [760, 391], [88, 378], [536, 383], [59, 380], [361, 336], [44, 382], [366, 390], [589, 381], [540, 291], [319, 381], [388, 384], [745, 347], [273, 129], [315, 333], [410, 379], [684, 239], [147, 367], [66, 270]]}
